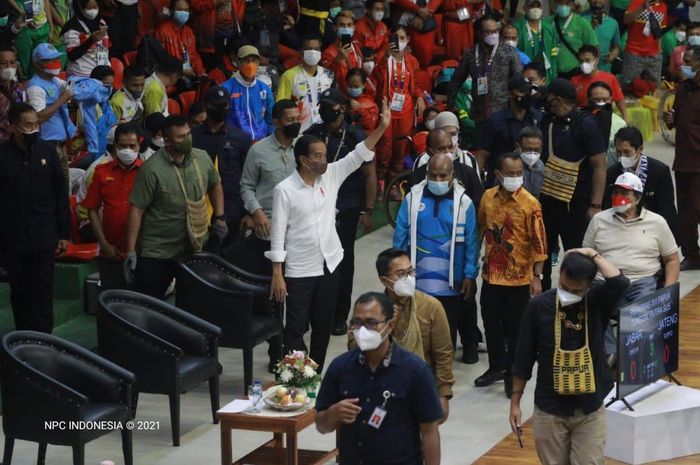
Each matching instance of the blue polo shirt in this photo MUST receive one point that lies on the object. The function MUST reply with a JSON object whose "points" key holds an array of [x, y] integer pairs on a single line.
{"points": [[414, 400]]}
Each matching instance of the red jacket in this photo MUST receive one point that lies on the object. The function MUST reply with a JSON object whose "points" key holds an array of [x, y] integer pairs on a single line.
{"points": [[175, 38], [368, 113], [412, 7], [377, 38], [204, 21], [380, 75], [340, 68]]}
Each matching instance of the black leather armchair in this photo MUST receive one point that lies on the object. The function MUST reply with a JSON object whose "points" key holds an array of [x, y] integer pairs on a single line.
{"points": [[169, 351], [47, 379], [233, 299]]}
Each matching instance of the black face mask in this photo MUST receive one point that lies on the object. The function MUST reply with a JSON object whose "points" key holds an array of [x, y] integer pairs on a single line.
{"points": [[593, 107], [328, 114], [291, 131], [217, 115], [523, 101], [30, 138]]}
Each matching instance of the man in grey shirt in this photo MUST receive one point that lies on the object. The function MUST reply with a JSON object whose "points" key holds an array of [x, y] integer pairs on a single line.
{"points": [[268, 162], [529, 146]]}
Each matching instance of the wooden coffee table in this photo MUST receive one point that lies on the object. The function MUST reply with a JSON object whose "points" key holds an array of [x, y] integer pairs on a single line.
{"points": [[274, 451]]}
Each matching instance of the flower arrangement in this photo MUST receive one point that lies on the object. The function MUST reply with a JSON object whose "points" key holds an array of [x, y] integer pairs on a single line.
{"points": [[298, 370]]}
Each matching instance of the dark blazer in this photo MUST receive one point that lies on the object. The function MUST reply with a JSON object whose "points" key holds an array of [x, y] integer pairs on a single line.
{"points": [[658, 192]]}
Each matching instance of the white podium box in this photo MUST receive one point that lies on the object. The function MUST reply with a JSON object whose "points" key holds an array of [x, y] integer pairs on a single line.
{"points": [[665, 424]]}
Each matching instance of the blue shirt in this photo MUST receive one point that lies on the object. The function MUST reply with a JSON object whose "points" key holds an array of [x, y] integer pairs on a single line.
{"points": [[414, 400]]}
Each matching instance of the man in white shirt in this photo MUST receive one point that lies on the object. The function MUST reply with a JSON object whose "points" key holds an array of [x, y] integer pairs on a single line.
{"points": [[304, 238]]}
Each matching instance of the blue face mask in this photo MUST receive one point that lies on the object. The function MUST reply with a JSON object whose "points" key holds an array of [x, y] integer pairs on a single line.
{"points": [[355, 92], [688, 72], [438, 187], [181, 17], [346, 31], [334, 11], [563, 11], [4, 20]]}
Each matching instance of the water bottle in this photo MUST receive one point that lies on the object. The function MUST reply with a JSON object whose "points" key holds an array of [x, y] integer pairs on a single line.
{"points": [[258, 392], [428, 98]]}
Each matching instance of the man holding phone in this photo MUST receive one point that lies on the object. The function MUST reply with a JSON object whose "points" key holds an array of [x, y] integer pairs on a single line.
{"points": [[345, 53]]}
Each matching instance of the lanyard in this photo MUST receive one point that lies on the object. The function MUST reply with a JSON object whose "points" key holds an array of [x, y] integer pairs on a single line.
{"points": [[393, 64], [308, 87], [487, 66], [531, 39], [568, 21], [340, 144]]}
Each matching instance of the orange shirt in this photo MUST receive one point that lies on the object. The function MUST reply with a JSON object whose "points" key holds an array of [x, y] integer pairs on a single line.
{"points": [[638, 43], [582, 82], [376, 38], [110, 189], [176, 40], [513, 230]]}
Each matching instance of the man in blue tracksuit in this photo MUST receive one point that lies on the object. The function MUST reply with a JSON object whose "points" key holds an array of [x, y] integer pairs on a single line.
{"points": [[437, 225], [251, 99]]}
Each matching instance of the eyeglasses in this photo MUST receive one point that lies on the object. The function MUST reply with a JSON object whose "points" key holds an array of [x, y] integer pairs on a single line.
{"points": [[400, 274], [356, 323]]}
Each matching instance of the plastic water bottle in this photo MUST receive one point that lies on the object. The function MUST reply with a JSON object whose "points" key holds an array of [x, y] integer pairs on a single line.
{"points": [[258, 392], [428, 98]]}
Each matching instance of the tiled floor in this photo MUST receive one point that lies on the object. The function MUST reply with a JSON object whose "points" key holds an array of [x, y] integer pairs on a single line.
{"points": [[478, 417]]}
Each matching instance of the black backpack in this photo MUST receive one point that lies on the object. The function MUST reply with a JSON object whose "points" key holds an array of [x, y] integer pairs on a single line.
{"points": [[150, 54]]}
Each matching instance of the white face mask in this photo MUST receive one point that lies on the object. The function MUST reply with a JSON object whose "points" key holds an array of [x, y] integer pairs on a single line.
{"points": [[127, 156], [377, 16], [402, 45], [367, 339], [455, 141], [430, 124], [312, 57], [512, 184], [406, 286], [530, 158], [680, 36], [693, 40], [534, 13], [628, 162], [368, 66], [587, 68], [8, 74], [491, 39], [512, 43], [54, 72], [91, 14], [567, 298], [622, 208], [158, 142]]}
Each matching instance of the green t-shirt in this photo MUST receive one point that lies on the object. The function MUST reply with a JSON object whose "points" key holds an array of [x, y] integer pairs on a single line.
{"points": [[577, 32], [608, 35], [620, 4], [157, 191], [533, 43], [668, 43]]}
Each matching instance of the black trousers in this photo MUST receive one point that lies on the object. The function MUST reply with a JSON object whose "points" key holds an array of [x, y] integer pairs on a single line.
{"points": [[154, 275], [30, 276], [454, 311], [111, 274], [346, 225], [310, 302], [502, 308], [566, 221], [122, 30]]}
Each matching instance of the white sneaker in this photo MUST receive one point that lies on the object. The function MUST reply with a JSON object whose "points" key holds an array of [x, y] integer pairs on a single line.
{"points": [[481, 347]]}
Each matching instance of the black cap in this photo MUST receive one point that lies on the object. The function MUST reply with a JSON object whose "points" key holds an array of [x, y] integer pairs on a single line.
{"points": [[334, 96], [562, 88], [519, 83], [216, 95], [154, 122]]}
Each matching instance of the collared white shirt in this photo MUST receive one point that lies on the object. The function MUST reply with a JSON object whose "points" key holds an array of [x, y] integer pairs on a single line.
{"points": [[303, 231]]}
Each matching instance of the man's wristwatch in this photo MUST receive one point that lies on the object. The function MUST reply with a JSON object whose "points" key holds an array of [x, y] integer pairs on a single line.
{"points": [[597, 206], [539, 276], [366, 210], [219, 218]]}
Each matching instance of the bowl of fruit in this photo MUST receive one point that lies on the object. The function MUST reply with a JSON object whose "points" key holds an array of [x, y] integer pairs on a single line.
{"points": [[287, 399]]}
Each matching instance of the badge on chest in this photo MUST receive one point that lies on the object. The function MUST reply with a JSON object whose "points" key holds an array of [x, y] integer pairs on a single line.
{"points": [[379, 413]]}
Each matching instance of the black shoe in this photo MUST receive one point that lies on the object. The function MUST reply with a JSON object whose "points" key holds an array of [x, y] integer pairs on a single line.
{"points": [[340, 330], [508, 384], [488, 378], [687, 265], [470, 357]]}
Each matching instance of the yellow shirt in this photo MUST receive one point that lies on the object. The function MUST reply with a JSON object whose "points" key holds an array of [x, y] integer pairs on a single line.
{"points": [[513, 230]]}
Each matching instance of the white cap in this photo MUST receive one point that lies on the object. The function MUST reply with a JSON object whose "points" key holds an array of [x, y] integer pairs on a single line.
{"points": [[446, 118], [629, 181]]}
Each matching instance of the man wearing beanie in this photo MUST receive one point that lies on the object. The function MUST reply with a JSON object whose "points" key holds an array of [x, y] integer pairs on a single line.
{"points": [[574, 152]]}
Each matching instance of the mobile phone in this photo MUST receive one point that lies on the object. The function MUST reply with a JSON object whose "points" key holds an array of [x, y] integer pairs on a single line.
{"points": [[28, 11], [345, 40], [104, 28], [519, 433], [394, 40], [69, 84]]}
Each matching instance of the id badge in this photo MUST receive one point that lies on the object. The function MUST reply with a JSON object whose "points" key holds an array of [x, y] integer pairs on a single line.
{"points": [[397, 102], [482, 85], [102, 56], [377, 417], [165, 12], [463, 14], [547, 64]]}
